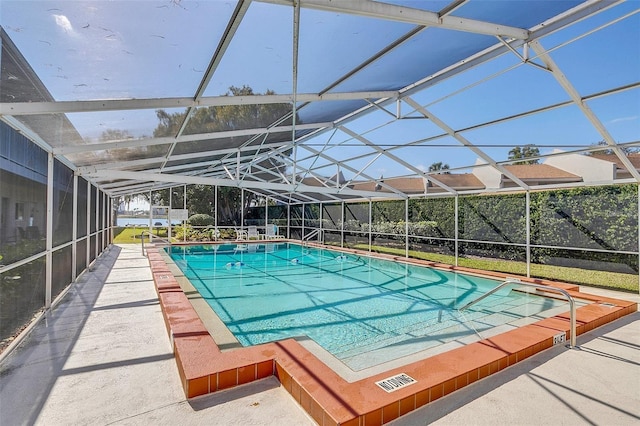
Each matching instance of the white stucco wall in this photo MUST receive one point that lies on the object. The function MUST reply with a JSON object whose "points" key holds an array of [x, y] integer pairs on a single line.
{"points": [[490, 177], [591, 169]]}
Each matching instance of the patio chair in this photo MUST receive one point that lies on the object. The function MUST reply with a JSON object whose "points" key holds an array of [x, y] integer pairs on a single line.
{"points": [[241, 235], [271, 233], [252, 232]]}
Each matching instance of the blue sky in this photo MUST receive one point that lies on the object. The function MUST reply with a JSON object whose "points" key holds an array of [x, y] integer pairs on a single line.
{"points": [[148, 49]]}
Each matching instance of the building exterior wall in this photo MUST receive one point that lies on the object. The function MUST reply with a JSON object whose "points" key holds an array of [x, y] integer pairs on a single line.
{"points": [[490, 177], [591, 169]]}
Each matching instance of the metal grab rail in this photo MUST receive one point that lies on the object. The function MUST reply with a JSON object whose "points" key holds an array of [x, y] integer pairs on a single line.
{"points": [[314, 233], [572, 305], [151, 237]]}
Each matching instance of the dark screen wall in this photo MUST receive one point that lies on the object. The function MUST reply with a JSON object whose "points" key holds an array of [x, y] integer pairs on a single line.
{"points": [[24, 183]]}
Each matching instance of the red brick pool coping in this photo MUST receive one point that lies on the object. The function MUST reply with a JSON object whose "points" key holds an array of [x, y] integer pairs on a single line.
{"points": [[326, 396]]}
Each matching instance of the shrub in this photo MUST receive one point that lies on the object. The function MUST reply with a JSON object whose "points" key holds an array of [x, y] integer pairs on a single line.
{"points": [[201, 219]]}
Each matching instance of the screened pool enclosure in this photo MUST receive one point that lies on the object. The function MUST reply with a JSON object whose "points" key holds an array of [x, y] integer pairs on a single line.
{"points": [[504, 132]]}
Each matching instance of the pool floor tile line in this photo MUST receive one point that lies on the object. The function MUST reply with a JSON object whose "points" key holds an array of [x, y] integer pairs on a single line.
{"points": [[327, 397]]}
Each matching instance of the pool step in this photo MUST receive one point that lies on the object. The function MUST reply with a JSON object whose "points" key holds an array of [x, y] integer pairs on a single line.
{"points": [[430, 329], [455, 326]]}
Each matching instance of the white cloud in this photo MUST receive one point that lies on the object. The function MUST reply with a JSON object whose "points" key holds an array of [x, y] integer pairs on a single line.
{"points": [[64, 23], [622, 119]]}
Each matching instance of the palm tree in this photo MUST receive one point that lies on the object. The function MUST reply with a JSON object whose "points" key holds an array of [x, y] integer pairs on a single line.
{"points": [[439, 166], [526, 151]]}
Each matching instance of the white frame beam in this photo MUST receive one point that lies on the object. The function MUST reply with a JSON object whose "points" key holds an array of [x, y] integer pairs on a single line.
{"points": [[287, 145], [74, 231], [464, 141], [353, 170], [562, 79], [49, 232], [132, 164], [183, 179], [232, 26], [588, 8], [397, 159], [408, 15], [64, 107], [133, 143]]}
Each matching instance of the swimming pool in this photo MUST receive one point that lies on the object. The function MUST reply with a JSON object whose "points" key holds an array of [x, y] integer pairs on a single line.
{"points": [[362, 310]]}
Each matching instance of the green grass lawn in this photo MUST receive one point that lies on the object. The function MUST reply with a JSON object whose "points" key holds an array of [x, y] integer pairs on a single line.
{"points": [[122, 235], [602, 279]]}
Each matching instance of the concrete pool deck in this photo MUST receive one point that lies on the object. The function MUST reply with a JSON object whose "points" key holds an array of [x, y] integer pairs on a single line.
{"points": [[102, 356]]}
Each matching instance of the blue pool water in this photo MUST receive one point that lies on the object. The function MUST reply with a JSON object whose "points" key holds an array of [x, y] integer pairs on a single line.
{"points": [[348, 304]]}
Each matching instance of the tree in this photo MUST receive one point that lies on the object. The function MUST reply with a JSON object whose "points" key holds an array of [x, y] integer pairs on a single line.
{"points": [[229, 117], [115, 134], [201, 200], [223, 118], [626, 150], [126, 200], [126, 154], [439, 166], [526, 151]]}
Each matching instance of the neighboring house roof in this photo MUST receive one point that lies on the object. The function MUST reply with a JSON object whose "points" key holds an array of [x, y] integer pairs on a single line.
{"points": [[416, 185], [367, 186], [529, 173], [541, 172], [612, 158], [460, 181], [409, 185]]}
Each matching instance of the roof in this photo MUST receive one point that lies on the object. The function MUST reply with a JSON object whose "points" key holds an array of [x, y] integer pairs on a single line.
{"points": [[462, 181], [539, 172], [407, 185], [634, 158], [139, 96]]}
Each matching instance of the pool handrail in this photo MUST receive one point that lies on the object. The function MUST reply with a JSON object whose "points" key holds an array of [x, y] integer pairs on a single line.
{"points": [[310, 235], [572, 305], [151, 237]]}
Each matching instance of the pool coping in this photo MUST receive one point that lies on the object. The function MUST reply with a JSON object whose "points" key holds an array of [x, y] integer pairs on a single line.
{"points": [[331, 400]]}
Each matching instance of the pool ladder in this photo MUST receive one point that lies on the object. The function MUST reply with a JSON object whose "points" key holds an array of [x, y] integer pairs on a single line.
{"points": [[151, 237], [572, 305], [310, 235]]}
